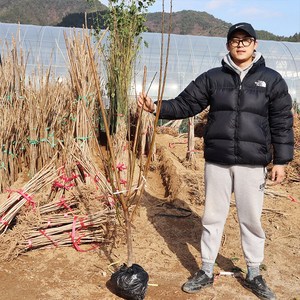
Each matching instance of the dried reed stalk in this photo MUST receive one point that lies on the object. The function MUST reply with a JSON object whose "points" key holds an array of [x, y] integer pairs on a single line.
{"points": [[12, 104], [66, 230], [18, 198], [87, 112], [68, 205], [57, 117], [50, 113]]}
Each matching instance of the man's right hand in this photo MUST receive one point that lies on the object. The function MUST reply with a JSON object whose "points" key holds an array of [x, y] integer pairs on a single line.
{"points": [[149, 105]]}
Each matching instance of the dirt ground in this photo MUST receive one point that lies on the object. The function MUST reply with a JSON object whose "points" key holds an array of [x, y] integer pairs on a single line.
{"points": [[166, 244]]}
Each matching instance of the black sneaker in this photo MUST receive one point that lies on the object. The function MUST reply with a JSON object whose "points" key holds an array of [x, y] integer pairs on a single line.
{"points": [[259, 287], [199, 281]]}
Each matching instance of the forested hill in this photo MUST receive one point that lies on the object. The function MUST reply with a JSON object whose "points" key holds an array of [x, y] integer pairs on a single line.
{"points": [[183, 22], [201, 23], [43, 12], [75, 13]]}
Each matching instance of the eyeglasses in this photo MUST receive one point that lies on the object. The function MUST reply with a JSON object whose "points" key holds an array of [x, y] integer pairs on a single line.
{"points": [[246, 42]]}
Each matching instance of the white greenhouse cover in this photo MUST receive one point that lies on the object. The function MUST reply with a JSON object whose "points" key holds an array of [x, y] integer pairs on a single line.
{"points": [[189, 56]]}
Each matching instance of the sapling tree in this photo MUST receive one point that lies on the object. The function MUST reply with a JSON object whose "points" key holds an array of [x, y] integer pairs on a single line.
{"points": [[125, 23]]}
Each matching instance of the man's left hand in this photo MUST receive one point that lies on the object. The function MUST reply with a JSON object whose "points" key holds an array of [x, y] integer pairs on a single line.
{"points": [[278, 173]]}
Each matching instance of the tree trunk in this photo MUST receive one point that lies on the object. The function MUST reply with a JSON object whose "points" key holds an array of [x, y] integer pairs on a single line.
{"points": [[191, 140]]}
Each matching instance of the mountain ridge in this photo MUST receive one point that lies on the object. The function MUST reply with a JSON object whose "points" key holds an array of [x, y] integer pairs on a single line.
{"points": [[77, 13]]}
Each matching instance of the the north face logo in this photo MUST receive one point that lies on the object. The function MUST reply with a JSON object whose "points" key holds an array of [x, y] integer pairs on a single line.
{"points": [[260, 83]]}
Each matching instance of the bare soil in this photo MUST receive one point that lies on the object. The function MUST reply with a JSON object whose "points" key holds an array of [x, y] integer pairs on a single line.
{"points": [[166, 243]]}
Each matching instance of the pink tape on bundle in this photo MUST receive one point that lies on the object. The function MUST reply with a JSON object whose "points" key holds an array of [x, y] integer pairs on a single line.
{"points": [[75, 241], [123, 181], [62, 203], [121, 167], [59, 185], [68, 179], [82, 225], [43, 232], [24, 195], [29, 244], [3, 221]]}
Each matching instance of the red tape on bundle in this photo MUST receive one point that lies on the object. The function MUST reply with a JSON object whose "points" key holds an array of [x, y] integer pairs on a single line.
{"points": [[24, 195], [43, 232], [123, 181], [59, 185], [3, 221], [75, 241], [68, 179], [62, 203], [121, 167], [29, 244], [82, 225]]}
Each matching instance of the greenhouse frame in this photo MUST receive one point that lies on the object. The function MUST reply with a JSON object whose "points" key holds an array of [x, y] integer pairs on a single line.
{"points": [[189, 56]]}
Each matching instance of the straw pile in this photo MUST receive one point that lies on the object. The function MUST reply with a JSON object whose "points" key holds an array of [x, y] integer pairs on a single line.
{"points": [[54, 210], [293, 169], [49, 130]]}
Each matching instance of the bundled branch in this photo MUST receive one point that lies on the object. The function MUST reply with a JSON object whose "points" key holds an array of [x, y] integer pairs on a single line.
{"points": [[68, 230], [54, 112], [12, 106], [293, 168], [87, 126], [61, 204], [58, 117], [18, 198], [75, 214]]}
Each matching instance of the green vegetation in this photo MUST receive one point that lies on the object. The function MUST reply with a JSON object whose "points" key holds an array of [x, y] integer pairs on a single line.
{"points": [[125, 23]]}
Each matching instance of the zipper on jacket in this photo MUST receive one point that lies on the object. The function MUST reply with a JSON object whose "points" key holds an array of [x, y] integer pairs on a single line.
{"points": [[237, 123]]}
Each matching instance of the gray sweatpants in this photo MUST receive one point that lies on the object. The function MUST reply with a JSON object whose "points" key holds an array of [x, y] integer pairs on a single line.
{"points": [[247, 183]]}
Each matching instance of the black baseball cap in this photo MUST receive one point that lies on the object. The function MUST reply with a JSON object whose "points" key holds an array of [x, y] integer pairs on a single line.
{"points": [[241, 26]]}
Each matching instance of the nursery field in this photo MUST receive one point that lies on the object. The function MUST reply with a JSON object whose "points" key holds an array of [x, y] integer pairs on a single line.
{"points": [[166, 237]]}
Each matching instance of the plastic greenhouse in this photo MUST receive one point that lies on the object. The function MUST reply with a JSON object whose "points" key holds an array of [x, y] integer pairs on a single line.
{"points": [[189, 55]]}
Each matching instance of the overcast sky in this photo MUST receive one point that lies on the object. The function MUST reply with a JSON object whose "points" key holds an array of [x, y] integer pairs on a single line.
{"points": [[280, 17]]}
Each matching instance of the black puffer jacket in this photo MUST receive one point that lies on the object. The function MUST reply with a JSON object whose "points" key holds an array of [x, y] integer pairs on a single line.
{"points": [[248, 123]]}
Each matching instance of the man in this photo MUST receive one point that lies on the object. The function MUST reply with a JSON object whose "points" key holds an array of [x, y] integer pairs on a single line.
{"points": [[249, 125]]}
